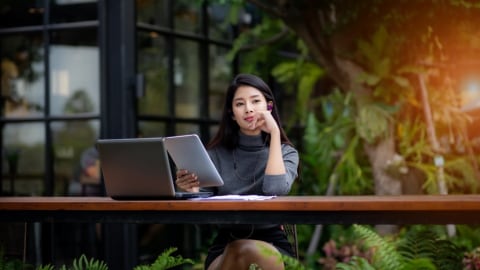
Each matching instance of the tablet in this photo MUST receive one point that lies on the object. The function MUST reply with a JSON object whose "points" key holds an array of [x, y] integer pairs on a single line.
{"points": [[188, 152]]}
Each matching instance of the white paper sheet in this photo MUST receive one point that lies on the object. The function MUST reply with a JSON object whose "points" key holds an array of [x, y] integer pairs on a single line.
{"points": [[236, 198]]}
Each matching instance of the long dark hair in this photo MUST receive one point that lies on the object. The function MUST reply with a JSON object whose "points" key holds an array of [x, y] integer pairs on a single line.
{"points": [[227, 134]]}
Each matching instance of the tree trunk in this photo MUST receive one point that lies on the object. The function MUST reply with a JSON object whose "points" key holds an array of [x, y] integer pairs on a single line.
{"points": [[385, 184], [379, 154]]}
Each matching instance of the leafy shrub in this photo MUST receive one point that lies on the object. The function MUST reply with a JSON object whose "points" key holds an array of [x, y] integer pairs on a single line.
{"points": [[82, 263], [165, 261], [419, 249]]}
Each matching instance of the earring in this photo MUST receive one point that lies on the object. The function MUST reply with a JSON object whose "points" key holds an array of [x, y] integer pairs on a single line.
{"points": [[269, 107]]}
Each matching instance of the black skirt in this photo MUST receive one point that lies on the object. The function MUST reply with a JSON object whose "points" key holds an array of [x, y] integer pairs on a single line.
{"points": [[275, 236]]}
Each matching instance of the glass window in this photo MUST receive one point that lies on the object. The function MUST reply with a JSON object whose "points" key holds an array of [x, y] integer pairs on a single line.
{"points": [[152, 59], [71, 141], [152, 129], [186, 70], [188, 17], [219, 28], [220, 77], [74, 73], [22, 85], [62, 11], [181, 129], [154, 12], [21, 13], [23, 159]]}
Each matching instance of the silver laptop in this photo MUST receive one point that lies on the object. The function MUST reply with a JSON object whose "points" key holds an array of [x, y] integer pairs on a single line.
{"points": [[139, 168]]}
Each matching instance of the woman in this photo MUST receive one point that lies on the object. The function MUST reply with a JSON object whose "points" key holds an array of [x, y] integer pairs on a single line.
{"points": [[254, 156]]}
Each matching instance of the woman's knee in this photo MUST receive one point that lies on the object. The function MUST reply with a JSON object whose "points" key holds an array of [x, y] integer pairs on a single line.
{"points": [[241, 247], [251, 249]]}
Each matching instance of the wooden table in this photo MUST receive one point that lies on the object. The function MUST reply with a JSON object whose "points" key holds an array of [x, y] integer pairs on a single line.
{"points": [[422, 209]]}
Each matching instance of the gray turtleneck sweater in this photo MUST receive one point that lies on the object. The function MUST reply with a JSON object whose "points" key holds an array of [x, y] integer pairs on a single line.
{"points": [[243, 169]]}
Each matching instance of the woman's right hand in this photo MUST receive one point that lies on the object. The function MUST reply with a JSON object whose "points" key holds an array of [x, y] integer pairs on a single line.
{"points": [[187, 181]]}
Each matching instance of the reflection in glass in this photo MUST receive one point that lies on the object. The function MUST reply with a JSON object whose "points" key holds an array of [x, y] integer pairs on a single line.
{"points": [[149, 129], [153, 64], [70, 140], [153, 12], [74, 73], [188, 17], [22, 71], [181, 129], [219, 27], [186, 78], [23, 159], [62, 11], [220, 77], [21, 13]]}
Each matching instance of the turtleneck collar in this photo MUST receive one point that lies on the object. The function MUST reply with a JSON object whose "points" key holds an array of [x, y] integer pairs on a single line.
{"points": [[250, 142]]}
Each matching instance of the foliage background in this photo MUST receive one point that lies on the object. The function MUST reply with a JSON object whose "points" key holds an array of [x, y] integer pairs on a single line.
{"points": [[380, 94]]}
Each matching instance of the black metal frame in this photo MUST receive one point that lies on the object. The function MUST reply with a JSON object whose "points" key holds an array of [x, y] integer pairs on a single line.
{"points": [[247, 217], [118, 115]]}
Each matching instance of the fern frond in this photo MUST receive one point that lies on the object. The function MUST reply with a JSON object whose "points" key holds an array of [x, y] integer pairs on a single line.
{"points": [[356, 263], [417, 244], [44, 267], [386, 256], [419, 264], [447, 255], [165, 261], [82, 263], [426, 243]]}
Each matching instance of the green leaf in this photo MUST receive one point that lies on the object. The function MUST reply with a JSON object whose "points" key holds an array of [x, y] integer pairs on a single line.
{"points": [[372, 122], [401, 81], [165, 261], [382, 67], [368, 78]]}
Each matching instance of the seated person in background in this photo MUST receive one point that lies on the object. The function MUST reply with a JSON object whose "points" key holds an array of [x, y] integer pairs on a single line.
{"points": [[254, 156], [87, 176]]}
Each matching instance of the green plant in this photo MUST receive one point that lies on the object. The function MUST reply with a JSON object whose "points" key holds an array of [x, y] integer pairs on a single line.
{"points": [[356, 263], [82, 263], [165, 261], [467, 237], [334, 143], [46, 267], [426, 243], [418, 249], [292, 263], [11, 264]]}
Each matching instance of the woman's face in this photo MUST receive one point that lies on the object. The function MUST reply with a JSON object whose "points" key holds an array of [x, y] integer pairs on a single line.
{"points": [[246, 104]]}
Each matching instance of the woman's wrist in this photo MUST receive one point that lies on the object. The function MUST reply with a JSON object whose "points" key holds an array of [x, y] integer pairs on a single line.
{"points": [[275, 133]]}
